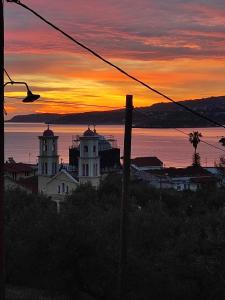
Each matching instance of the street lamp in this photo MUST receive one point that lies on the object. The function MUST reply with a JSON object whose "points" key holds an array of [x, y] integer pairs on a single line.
{"points": [[30, 96]]}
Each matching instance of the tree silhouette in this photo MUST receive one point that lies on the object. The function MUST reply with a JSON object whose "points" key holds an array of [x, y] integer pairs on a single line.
{"points": [[194, 139]]}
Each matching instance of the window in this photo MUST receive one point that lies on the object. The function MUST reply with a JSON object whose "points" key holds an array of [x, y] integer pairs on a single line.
{"points": [[45, 146], [86, 149], [94, 149], [53, 147], [63, 187], [58, 189], [85, 170], [53, 168], [46, 168], [67, 189], [178, 187], [95, 170]]}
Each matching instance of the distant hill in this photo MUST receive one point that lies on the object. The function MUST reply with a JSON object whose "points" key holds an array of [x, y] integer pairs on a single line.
{"points": [[160, 115], [34, 118]]}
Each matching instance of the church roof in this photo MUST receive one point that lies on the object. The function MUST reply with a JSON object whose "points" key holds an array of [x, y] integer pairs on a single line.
{"points": [[65, 172], [48, 132], [89, 132]]}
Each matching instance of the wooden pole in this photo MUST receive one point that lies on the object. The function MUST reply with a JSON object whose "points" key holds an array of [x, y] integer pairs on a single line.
{"points": [[125, 198], [2, 254]]}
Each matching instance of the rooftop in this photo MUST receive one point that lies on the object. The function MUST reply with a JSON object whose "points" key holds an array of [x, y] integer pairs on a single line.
{"points": [[147, 161], [182, 172], [18, 167], [48, 132]]}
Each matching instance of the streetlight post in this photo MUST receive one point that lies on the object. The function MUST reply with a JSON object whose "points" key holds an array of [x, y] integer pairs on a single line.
{"points": [[2, 256], [29, 98]]}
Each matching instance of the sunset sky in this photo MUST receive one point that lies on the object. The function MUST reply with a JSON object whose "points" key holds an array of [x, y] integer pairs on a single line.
{"points": [[177, 46]]}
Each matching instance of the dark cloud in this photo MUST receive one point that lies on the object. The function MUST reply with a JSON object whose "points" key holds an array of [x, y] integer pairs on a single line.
{"points": [[144, 29]]}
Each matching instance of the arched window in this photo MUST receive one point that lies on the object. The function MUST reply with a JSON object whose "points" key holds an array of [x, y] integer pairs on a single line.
{"points": [[45, 146], [53, 147], [46, 168], [85, 170], [59, 189]]}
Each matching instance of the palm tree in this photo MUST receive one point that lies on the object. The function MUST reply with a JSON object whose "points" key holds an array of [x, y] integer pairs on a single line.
{"points": [[194, 139]]}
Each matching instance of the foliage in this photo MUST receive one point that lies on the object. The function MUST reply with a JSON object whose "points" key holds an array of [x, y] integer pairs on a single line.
{"points": [[175, 246], [196, 160], [194, 139], [221, 169]]}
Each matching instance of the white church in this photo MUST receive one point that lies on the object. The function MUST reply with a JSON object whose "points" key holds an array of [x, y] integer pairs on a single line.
{"points": [[57, 182]]}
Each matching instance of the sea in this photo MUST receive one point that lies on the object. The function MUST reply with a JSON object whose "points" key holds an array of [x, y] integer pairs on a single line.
{"points": [[171, 146]]}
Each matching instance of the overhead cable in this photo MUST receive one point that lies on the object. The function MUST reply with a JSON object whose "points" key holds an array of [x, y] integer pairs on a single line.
{"points": [[181, 131], [115, 66]]}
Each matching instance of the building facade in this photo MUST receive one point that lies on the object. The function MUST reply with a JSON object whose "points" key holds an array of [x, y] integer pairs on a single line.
{"points": [[89, 160]]}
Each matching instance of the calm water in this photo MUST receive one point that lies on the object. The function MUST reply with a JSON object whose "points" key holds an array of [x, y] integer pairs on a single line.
{"points": [[172, 147]]}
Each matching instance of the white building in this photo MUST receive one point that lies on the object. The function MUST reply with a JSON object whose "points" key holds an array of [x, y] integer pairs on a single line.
{"points": [[89, 160], [57, 182], [180, 179], [48, 159]]}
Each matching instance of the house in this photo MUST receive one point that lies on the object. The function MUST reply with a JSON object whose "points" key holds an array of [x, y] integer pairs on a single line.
{"points": [[180, 179], [20, 175], [146, 163], [17, 171]]}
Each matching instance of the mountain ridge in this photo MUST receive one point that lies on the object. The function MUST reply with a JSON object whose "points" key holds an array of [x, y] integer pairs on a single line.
{"points": [[161, 115]]}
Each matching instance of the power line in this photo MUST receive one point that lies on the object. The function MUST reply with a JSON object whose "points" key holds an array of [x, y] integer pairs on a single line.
{"points": [[204, 142], [7, 74], [115, 66], [181, 131]]}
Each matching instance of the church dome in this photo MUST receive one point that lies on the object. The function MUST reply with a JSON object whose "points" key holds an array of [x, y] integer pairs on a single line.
{"points": [[48, 132], [89, 132]]}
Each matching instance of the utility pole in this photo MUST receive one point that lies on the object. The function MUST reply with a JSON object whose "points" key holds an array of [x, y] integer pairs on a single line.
{"points": [[122, 286], [2, 254]]}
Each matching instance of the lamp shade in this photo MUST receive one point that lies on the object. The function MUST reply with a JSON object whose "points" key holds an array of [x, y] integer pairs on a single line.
{"points": [[30, 97]]}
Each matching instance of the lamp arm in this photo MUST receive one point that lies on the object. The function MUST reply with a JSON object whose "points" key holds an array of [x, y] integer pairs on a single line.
{"points": [[17, 82]]}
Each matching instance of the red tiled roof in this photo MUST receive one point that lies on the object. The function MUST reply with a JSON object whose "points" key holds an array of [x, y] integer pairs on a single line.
{"points": [[146, 161], [18, 167]]}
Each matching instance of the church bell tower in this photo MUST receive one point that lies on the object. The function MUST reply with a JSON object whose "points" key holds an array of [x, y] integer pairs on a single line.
{"points": [[89, 160], [48, 159]]}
